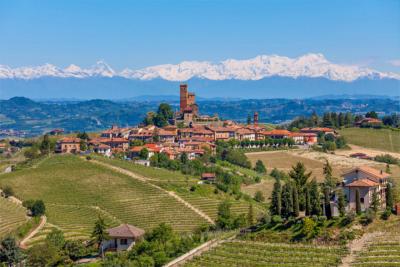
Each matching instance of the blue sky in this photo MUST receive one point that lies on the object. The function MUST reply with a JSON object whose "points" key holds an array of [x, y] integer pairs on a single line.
{"points": [[137, 34]]}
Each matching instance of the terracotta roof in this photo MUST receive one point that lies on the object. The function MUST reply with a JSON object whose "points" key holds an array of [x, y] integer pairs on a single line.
{"points": [[362, 183], [208, 175], [369, 120], [245, 131], [371, 171], [276, 132], [221, 129], [69, 140], [126, 230], [163, 132]]}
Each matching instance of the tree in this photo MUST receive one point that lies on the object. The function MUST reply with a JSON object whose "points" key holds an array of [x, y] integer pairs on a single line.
{"points": [[184, 158], [99, 233], [327, 205], [38, 208], [287, 200], [358, 202], [8, 191], [82, 145], [144, 153], [371, 114], [248, 119], [55, 238], [83, 136], [389, 197], [224, 220], [295, 202], [260, 167], [341, 203], [300, 177], [10, 253], [250, 215], [45, 145], [308, 201], [375, 203], [329, 182], [315, 199], [259, 197], [276, 201]]}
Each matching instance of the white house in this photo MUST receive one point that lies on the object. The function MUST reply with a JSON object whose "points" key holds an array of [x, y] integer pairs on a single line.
{"points": [[122, 237]]}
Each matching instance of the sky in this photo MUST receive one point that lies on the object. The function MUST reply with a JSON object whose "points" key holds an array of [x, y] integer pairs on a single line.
{"points": [[137, 34]]}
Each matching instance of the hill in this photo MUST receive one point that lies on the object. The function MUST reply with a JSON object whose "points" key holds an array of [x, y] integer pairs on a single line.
{"points": [[12, 216]]}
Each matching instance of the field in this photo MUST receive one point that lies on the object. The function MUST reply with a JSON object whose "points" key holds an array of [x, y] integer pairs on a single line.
{"points": [[382, 250], [202, 198], [76, 191], [11, 216], [239, 253], [382, 139]]}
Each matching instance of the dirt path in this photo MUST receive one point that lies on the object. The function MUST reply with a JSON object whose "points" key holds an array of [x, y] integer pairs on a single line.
{"points": [[356, 246], [43, 220], [147, 180]]}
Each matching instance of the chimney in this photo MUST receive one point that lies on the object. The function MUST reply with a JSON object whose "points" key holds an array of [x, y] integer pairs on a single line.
{"points": [[255, 118]]}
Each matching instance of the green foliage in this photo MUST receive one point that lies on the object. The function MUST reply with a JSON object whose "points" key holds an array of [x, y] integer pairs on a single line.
{"points": [[225, 219], [368, 217], [36, 207], [10, 253], [82, 135], [47, 145], [144, 153], [55, 238], [296, 206], [276, 201], [287, 200], [259, 197], [307, 201], [99, 233], [371, 114], [389, 197], [161, 118], [260, 168], [300, 178], [341, 203], [387, 158], [308, 227], [7, 191], [315, 198], [375, 203]]}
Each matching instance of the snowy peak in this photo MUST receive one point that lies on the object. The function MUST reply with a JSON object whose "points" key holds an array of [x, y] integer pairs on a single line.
{"points": [[259, 67]]}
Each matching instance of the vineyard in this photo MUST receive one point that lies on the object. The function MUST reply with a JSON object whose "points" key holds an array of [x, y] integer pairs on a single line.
{"points": [[11, 216], [75, 192], [239, 253], [383, 250]]}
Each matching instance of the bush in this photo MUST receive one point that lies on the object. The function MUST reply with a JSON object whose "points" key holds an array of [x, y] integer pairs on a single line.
{"points": [[36, 207], [368, 217], [348, 219], [387, 158], [276, 219], [8, 191], [88, 157], [259, 197], [386, 214]]}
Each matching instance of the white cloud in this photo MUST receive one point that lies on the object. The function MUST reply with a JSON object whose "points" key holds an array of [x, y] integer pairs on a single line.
{"points": [[395, 62]]}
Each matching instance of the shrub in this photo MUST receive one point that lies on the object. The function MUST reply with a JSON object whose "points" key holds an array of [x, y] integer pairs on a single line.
{"points": [[36, 207], [349, 218], [308, 227], [259, 197], [88, 157], [386, 214], [387, 158], [368, 217], [276, 219], [8, 191]]}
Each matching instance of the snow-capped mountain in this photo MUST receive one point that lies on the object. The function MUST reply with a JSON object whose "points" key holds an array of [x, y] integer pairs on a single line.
{"points": [[264, 66]]}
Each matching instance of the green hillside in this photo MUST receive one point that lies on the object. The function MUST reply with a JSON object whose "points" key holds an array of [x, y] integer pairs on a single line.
{"points": [[76, 191], [11, 216], [383, 139]]}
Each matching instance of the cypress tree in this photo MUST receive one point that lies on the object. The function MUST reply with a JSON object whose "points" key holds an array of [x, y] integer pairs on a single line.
{"points": [[375, 202], [287, 201], [308, 202], [341, 203], [389, 197], [276, 202], [315, 199], [358, 202], [327, 205], [296, 206], [300, 177]]}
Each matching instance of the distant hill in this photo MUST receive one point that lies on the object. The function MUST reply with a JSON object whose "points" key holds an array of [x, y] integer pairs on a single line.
{"points": [[36, 117]]}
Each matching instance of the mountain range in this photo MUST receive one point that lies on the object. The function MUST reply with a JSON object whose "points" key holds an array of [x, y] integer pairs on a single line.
{"points": [[265, 76]]}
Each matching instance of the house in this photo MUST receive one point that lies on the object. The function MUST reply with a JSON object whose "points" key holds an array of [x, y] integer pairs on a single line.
{"points": [[151, 148], [318, 130], [115, 132], [208, 176], [245, 134], [276, 134], [360, 156], [167, 136], [142, 135], [68, 145], [222, 133], [366, 180], [103, 149], [122, 237], [118, 142], [368, 122]]}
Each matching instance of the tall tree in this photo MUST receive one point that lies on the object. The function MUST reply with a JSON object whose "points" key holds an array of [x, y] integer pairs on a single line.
{"points": [[389, 197], [307, 201], [260, 167], [45, 145], [315, 198], [341, 203], [358, 202], [375, 203], [300, 177], [296, 206], [276, 201], [327, 206], [287, 200], [99, 233], [224, 220], [329, 182]]}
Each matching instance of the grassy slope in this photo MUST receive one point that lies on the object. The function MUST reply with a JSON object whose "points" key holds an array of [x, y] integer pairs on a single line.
{"points": [[202, 198], [383, 139], [75, 192], [11, 216]]}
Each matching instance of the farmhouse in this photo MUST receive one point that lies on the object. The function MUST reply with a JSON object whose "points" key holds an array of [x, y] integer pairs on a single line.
{"points": [[207, 176], [366, 181], [68, 145], [368, 122], [122, 237]]}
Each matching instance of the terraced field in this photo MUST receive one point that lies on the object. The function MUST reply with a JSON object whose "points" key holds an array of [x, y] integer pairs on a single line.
{"points": [[383, 250], [11, 216], [76, 191], [239, 253]]}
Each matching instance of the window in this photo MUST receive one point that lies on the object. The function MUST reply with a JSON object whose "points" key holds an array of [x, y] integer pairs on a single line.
{"points": [[123, 241], [362, 200]]}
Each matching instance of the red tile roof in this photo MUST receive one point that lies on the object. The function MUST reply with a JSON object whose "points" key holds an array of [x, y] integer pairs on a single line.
{"points": [[362, 183], [371, 171], [125, 231]]}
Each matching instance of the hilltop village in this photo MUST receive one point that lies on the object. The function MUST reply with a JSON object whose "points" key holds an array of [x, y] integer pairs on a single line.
{"points": [[189, 132]]}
